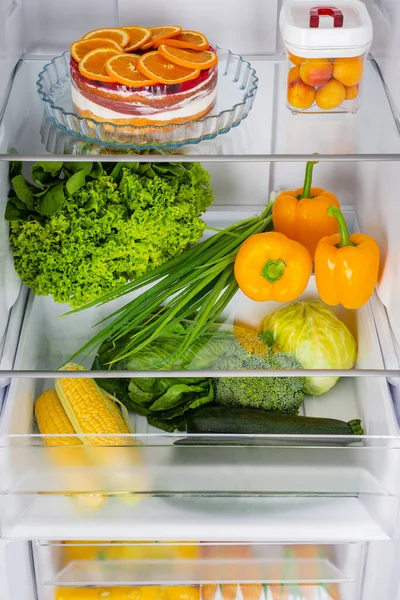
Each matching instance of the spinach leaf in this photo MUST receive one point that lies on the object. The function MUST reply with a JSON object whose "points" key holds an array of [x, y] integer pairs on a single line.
{"points": [[178, 424], [175, 395], [23, 191], [52, 201], [191, 403], [15, 200], [46, 173], [97, 170], [74, 167], [13, 213], [14, 169], [75, 182]]}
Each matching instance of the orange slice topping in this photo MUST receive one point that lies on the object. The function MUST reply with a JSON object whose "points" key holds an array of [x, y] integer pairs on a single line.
{"points": [[137, 37], [158, 68], [122, 68], [191, 59], [80, 49], [92, 64], [193, 40], [161, 33], [112, 33]]}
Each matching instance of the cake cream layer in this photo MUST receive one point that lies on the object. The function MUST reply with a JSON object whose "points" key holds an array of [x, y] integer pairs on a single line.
{"points": [[188, 108]]}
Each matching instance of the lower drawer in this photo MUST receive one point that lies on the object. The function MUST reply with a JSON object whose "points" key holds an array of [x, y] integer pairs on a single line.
{"points": [[173, 486], [203, 571]]}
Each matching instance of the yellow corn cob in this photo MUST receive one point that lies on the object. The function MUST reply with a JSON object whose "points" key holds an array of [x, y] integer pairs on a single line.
{"points": [[52, 418], [90, 410]]}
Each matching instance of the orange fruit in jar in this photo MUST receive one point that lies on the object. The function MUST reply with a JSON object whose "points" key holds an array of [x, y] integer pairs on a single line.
{"points": [[351, 91], [192, 59], [82, 47], [161, 33], [296, 60], [316, 71], [161, 70], [92, 64], [330, 95], [300, 95], [294, 73], [137, 37], [348, 71], [111, 33], [193, 40], [122, 68]]}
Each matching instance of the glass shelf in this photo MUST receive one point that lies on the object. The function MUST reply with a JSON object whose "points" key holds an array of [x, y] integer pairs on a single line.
{"points": [[270, 132], [49, 336], [85, 564]]}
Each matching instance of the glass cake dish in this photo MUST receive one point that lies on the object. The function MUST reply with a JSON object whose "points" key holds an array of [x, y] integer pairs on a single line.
{"points": [[142, 118]]}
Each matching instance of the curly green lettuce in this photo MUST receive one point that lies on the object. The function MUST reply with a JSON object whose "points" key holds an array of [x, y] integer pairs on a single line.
{"points": [[110, 231]]}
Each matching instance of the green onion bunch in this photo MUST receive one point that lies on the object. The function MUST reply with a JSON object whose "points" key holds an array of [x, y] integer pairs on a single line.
{"points": [[199, 282]]}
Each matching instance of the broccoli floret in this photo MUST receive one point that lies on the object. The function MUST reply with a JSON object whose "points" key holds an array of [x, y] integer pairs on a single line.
{"points": [[283, 394]]}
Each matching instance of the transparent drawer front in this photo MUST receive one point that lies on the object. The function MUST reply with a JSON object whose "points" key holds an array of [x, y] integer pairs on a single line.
{"points": [[224, 487], [198, 571]]}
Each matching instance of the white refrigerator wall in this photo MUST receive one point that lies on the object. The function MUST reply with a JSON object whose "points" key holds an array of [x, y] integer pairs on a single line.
{"points": [[385, 16], [37, 27], [50, 26], [17, 581]]}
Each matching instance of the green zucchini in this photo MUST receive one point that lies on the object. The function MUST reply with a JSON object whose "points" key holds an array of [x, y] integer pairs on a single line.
{"points": [[236, 421]]}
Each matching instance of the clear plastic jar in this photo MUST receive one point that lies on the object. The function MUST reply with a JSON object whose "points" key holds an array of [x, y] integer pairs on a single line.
{"points": [[326, 47]]}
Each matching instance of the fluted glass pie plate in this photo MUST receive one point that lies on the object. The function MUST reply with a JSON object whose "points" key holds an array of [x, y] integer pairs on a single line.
{"points": [[236, 89]]}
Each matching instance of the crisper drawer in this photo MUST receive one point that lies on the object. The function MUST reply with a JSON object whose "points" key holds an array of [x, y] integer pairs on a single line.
{"points": [[204, 571], [176, 486]]}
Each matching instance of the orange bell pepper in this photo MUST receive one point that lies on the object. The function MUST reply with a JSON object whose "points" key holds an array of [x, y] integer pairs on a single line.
{"points": [[346, 267], [302, 214], [270, 266]]}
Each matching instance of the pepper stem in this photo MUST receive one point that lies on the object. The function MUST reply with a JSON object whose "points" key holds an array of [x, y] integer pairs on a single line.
{"points": [[273, 270], [333, 211], [308, 179]]}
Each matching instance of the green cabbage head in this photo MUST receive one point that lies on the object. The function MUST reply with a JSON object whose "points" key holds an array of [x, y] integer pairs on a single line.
{"points": [[315, 337]]}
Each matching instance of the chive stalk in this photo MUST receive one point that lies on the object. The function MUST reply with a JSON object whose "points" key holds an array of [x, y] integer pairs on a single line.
{"points": [[200, 281]]}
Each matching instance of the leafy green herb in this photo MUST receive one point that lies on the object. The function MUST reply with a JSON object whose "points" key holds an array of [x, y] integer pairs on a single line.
{"points": [[40, 198], [85, 232], [51, 202], [201, 281], [46, 173], [166, 402]]}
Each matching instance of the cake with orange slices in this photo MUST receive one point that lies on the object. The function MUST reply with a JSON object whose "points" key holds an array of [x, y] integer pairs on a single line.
{"points": [[143, 76]]}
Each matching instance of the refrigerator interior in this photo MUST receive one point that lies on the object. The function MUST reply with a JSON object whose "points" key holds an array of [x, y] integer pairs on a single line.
{"points": [[346, 495]]}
